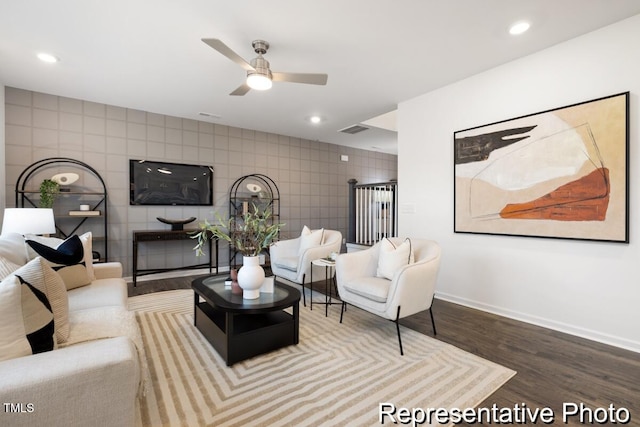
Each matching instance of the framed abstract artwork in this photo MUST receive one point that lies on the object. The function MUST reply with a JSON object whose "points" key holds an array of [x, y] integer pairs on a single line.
{"points": [[562, 173]]}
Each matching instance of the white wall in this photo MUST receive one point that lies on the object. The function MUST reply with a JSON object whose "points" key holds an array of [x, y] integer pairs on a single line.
{"points": [[2, 155], [590, 289]]}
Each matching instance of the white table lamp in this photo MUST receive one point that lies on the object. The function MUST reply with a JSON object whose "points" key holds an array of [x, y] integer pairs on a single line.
{"points": [[28, 221]]}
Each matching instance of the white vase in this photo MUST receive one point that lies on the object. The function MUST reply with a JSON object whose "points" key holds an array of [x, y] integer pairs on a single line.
{"points": [[250, 277]]}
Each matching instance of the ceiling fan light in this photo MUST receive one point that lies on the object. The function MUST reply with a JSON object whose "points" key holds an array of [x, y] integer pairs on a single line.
{"points": [[259, 82]]}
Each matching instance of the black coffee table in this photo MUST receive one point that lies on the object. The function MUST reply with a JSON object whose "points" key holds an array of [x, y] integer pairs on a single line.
{"points": [[241, 328]]}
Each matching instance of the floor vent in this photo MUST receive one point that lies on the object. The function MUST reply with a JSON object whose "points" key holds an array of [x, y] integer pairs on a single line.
{"points": [[353, 129]]}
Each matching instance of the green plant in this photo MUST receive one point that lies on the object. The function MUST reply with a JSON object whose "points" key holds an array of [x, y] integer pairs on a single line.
{"points": [[48, 192], [249, 235]]}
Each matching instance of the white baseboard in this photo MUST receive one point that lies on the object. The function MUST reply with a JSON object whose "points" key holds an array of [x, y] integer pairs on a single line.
{"points": [[172, 274], [545, 323]]}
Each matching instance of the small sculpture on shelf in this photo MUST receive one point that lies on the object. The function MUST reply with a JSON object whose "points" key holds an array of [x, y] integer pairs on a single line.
{"points": [[65, 180]]}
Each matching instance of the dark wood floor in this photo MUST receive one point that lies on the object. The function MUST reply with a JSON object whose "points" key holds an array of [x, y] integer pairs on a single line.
{"points": [[552, 368]]}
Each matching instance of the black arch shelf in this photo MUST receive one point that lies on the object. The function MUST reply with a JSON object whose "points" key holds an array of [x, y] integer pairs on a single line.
{"points": [[26, 197], [240, 197]]}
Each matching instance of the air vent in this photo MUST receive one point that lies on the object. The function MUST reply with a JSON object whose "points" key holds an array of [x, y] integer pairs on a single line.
{"points": [[354, 129]]}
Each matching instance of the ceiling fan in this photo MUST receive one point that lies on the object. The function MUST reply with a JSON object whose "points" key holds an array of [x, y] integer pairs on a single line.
{"points": [[259, 75]]}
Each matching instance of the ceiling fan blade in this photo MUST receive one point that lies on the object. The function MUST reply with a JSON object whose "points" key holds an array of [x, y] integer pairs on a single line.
{"points": [[226, 51], [241, 90], [308, 78]]}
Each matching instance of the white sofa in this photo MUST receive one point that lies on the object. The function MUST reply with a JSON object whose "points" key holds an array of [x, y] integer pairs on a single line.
{"points": [[92, 382]]}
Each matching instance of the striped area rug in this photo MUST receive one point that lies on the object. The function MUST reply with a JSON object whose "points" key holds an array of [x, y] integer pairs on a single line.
{"points": [[336, 376]]}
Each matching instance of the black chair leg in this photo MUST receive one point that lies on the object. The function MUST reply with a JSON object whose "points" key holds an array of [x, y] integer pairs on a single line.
{"points": [[304, 298], [398, 329], [433, 323], [396, 321]]}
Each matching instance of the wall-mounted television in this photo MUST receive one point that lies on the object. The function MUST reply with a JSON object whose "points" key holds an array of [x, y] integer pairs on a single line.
{"points": [[170, 184]]}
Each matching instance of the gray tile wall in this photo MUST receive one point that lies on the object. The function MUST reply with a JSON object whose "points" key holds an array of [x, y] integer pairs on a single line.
{"points": [[311, 178]]}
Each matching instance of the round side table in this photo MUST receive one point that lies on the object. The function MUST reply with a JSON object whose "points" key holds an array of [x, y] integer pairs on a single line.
{"points": [[330, 277]]}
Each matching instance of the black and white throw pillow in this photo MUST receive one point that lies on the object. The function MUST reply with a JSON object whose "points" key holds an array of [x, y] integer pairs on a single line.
{"points": [[67, 259], [41, 276], [26, 319]]}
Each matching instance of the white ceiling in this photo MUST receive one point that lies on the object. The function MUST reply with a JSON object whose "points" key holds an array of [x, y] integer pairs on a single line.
{"points": [[147, 54]]}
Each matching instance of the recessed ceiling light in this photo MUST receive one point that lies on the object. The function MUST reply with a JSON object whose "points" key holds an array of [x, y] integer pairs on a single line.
{"points": [[48, 58], [519, 28], [316, 119]]}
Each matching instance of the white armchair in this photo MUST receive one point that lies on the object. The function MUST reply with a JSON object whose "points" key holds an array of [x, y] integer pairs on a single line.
{"points": [[292, 262], [410, 291]]}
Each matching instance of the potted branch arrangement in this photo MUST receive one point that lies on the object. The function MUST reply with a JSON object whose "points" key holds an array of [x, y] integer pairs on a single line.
{"points": [[49, 190], [250, 235]]}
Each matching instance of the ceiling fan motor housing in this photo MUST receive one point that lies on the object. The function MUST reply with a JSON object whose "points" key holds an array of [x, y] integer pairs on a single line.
{"points": [[260, 46], [261, 67]]}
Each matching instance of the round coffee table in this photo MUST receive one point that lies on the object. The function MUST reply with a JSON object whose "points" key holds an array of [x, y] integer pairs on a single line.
{"points": [[242, 328]]}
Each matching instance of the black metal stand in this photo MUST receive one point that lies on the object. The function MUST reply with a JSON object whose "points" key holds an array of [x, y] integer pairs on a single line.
{"points": [[163, 236]]}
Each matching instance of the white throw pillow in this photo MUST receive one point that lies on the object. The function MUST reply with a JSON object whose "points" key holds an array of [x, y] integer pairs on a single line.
{"points": [[13, 341], [42, 277], [26, 320], [12, 247], [310, 239], [392, 258], [7, 267]]}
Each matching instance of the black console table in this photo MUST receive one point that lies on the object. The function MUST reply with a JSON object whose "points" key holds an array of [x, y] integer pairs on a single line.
{"points": [[163, 236]]}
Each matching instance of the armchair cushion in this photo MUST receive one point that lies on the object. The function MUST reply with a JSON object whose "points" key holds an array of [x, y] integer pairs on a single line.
{"points": [[392, 258], [288, 263], [373, 288], [310, 239]]}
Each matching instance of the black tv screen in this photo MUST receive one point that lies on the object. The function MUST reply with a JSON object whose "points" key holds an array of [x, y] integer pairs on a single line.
{"points": [[173, 184]]}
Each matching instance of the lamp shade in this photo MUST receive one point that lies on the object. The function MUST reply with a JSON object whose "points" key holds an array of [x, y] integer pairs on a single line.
{"points": [[28, 221]]}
